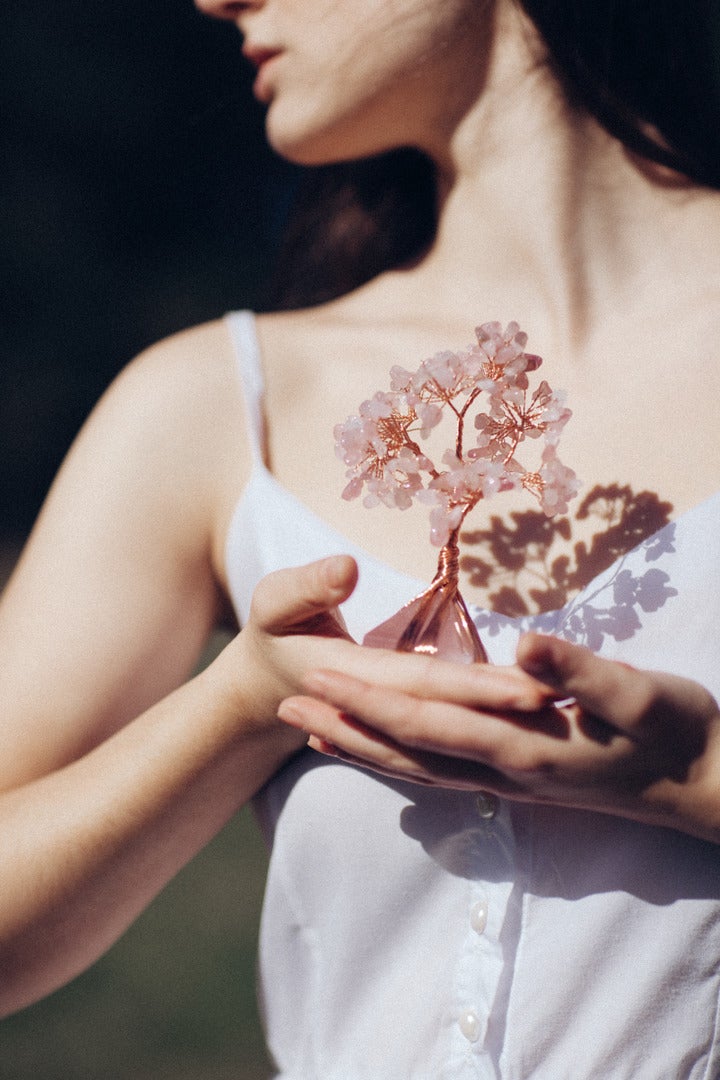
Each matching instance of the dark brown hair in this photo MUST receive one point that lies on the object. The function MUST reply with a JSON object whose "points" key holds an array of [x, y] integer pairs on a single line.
{"points": [[350, 222], [647, 70]]}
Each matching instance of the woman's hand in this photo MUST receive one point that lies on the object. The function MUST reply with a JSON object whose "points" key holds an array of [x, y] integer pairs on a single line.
{"points": [[564, 727], [294, 624]]}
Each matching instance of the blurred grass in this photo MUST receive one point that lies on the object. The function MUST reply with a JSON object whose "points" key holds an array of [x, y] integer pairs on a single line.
{"points": [[174, 999]]}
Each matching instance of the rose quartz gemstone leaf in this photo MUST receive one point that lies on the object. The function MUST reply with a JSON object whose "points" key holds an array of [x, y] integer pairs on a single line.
{"points": [[485, 385]]}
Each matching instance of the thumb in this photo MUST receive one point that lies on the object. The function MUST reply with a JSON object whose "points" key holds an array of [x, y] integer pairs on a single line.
{"points": [[290, 597]]}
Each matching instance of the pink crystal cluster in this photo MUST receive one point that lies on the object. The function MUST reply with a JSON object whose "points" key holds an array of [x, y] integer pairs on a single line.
{"points": [[489, 381]]}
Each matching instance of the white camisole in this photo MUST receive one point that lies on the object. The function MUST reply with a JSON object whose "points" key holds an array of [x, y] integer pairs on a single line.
{"points": [[416, 934]]}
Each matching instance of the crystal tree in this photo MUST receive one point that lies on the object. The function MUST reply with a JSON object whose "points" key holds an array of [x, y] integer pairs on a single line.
{"points": [[488, 384]]}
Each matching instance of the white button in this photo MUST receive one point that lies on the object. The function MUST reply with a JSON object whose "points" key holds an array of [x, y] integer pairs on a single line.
{"points": [[487, 805], [479, 916], [470, 1025]]}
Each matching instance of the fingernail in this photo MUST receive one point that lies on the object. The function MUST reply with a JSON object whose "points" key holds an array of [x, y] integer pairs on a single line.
{"points": [[336, 573], [322, 746], [290, 714]]}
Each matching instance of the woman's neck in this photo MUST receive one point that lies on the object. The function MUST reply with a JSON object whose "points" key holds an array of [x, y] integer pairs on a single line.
{"points": [[546, 218]]}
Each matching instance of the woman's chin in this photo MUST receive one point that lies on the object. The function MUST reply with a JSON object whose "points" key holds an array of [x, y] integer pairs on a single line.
{"points": [[302, 151], [313, 146]]}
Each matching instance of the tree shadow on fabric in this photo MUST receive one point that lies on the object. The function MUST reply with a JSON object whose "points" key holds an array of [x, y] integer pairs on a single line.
{"points": [[507, 556]]}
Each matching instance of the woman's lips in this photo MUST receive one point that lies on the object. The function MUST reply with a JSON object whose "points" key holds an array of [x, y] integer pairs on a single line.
{"points": [[261, 57]]}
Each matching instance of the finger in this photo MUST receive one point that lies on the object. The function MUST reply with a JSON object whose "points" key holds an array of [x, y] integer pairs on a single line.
{"points": [[292, 596], [613, 691], [457, 775], [415, 724], [322, 746], [337, 734], [484, 686]]}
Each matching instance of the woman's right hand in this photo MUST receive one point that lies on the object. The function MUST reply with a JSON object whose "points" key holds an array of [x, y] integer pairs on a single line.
{"points": [[294, 624], [86, 846]]}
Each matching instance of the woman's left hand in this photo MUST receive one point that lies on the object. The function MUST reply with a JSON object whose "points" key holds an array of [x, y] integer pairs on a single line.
{"points": [[639, 744]]}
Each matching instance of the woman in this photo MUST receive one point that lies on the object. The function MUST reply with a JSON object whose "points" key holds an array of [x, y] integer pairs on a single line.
{"points": [[506, 888]]}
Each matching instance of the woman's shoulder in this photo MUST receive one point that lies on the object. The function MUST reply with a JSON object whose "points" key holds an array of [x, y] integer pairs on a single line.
{"points": [[175, 413], [192, 360], [184, 387]]}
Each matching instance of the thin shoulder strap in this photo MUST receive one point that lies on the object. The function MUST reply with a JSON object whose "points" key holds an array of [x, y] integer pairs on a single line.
{"points": [[243, 334]]}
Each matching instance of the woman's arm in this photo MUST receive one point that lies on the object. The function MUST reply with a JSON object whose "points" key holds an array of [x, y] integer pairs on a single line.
{"points": [[112, 773], [638, 744]]}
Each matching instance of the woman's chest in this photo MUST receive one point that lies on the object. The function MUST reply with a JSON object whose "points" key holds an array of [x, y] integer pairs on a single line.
{"points": [[642, 440]]}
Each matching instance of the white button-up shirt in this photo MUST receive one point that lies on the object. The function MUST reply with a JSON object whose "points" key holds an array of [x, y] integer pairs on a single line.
{"points": [[418, 934]]}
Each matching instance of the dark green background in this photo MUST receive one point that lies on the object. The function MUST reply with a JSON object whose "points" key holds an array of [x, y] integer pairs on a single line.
{"points": [[174, 999], [136, 198]]}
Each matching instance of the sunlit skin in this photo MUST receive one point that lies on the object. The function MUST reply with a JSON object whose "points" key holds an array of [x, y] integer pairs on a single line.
{"points": [[480, 151], [346, 80], [116, 767]]}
